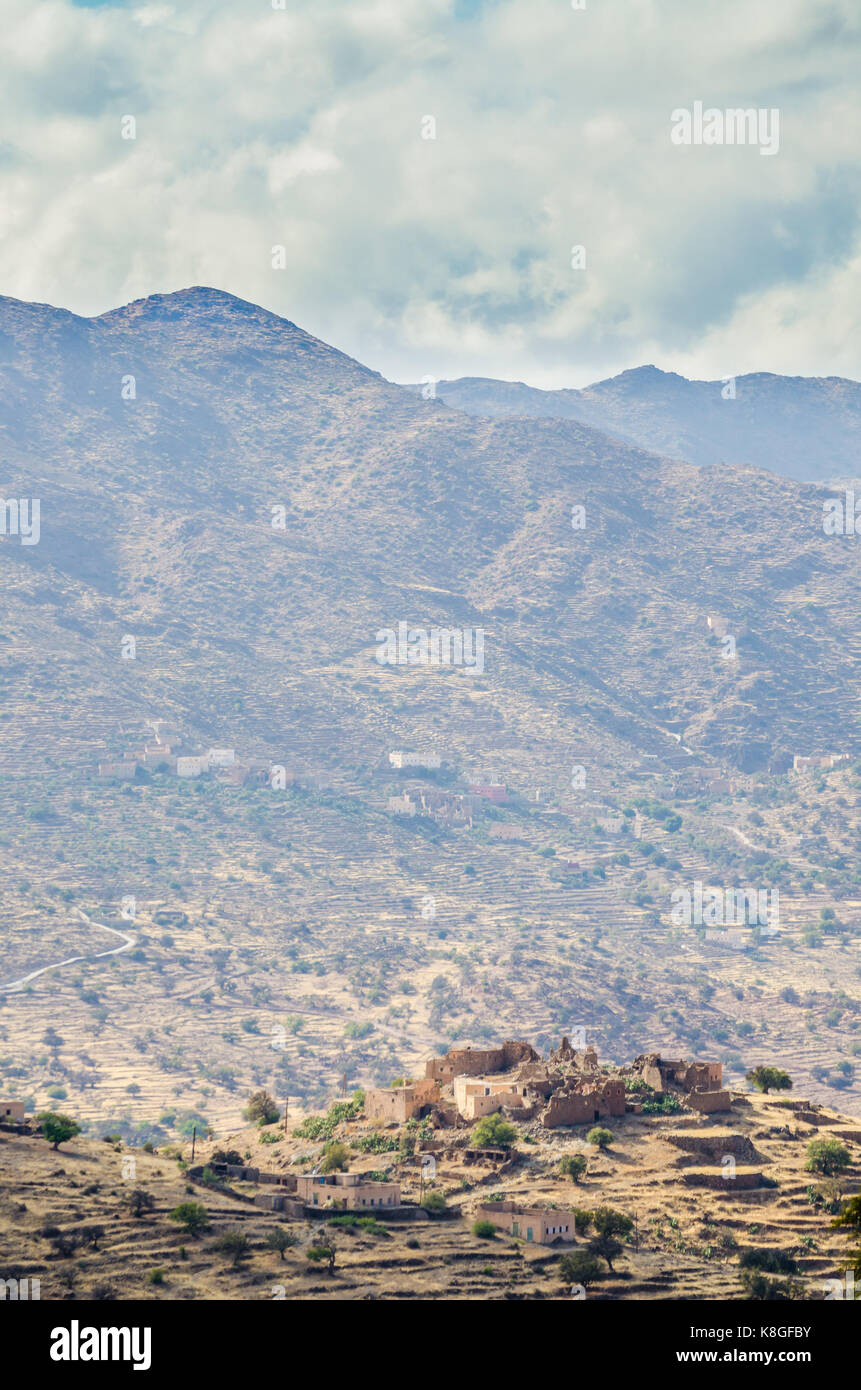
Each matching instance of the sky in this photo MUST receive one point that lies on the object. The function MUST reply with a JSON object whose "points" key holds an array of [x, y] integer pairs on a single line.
{"points": [[427, 167]]}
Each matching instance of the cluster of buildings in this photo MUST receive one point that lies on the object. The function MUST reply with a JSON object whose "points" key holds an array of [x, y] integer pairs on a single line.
{"points": [[449, 808], [567, 1088], [813, 762], [171, 751]]}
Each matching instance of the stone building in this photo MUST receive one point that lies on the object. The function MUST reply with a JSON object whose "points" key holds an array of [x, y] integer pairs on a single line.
{"points": [[125, 771], [478, 1061], [545, 1227], [12, 1110], [397, 1104], [477, 1096], [349, 1191]]}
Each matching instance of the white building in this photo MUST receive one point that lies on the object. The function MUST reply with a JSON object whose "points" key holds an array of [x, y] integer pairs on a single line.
{"points": [[192, 767], [400, 759], [222, 757]]}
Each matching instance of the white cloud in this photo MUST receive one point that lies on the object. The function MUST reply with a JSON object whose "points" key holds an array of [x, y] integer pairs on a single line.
{"points": [[303, 128]]}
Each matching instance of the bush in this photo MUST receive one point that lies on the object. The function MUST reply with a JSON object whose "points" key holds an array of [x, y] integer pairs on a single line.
{"points": [[667, 1105], [769, 1261], [580, 1268], [573, 1166], [57, 1128], [600, 1137], [827, 1156], [336, 1158], [191, 1216], [485, 1230], [138, 1201], [493, 1132], [434, 1203], [763, 1290], [322, 1253], [261, 1109], [155, 1276], [323, 1126], [767, 1079], [231, 1156]]}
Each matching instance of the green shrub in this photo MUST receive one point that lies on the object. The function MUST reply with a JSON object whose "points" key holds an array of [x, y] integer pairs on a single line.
{"points": [[493, 1132]]}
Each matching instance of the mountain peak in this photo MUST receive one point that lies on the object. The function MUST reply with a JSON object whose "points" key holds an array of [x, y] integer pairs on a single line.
{"points": [[199, 300]]}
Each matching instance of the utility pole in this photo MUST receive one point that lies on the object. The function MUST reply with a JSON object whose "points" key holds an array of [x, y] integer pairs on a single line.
{"points": [[193, 1139]]}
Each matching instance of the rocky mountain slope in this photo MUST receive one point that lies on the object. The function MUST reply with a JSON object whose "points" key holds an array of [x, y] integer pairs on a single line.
{"points": [[162, 441], [801, 427]]}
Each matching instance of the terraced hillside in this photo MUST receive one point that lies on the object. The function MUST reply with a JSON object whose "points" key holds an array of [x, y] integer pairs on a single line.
{"points": [[65, 1218], [287, 937]]}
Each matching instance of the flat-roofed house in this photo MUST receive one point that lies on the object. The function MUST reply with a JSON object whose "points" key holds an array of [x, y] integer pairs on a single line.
{"points": [[221, 757], [483, 1095], [351, 1191], [192, 766], [530, 1223], [399, 758], [12, 1110], [125, 771]]}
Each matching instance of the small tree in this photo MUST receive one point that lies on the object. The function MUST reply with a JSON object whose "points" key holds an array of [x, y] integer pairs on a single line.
{"points": [[582, 1219], [57, 1128], [191, 1216], [323, 1251], [64, 1244], [767, 1079], [485, 1230], [493, 1132], [138, 1201], [827, 1156], [580, 1268], [336, 1157], [281, 1239], [609, 1225], [600, 1137], [574, 1167], [234, 1244], [261, 1109]]}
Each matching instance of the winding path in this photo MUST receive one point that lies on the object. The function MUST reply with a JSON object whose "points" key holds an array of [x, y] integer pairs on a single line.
{"points": [[126, 939]]}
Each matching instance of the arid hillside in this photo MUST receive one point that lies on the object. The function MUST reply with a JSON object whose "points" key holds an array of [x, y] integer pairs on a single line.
{"points": [[65, 1217], [231, 512]]}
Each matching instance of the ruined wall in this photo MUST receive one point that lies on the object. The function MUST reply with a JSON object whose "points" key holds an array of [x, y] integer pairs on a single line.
{"points": [[707, 1102], [715, 1146], [397, 1104], [741, 1181]]}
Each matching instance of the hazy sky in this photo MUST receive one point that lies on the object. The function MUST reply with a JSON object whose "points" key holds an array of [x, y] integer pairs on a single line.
{"points": [[303, 128]]}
